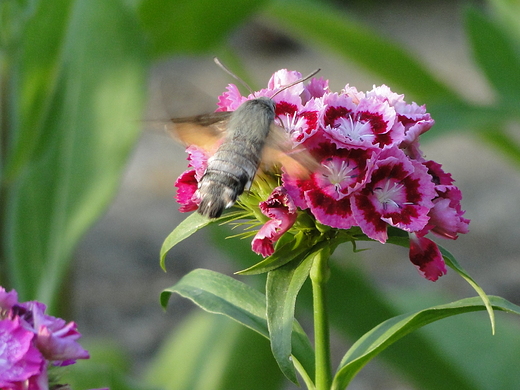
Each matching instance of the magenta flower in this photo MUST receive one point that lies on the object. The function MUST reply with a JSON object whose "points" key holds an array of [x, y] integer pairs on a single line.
{"points": [[368, 124], [19, 357], [446, 216], [56, 339], [326, 191], [316, 88], [187, 182], [30, 340], [399, 194], [300, 122], [187, 186], [7, 300], [281, 210], [230, 100], [369, 172], [426, 257]]}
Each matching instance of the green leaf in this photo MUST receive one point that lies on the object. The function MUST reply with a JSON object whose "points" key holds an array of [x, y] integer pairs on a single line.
{"points": [[496, 54], [191, 224], [213, 352], [453, 264], [187, 26], [461, 340], [415, 357], [324, 25], [88, 108], [387, 333], [282, 287], [220, 294]]}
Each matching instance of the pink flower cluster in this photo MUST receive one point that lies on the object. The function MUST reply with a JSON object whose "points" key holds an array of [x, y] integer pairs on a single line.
{"points": [[372, 172], [30, 340]]}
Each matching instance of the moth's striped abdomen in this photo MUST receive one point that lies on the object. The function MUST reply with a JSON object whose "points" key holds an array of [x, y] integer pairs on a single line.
{"points": [[232, 168]]}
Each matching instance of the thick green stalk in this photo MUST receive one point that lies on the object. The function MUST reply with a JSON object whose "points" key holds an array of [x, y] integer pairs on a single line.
{"points": [[319, 276]]}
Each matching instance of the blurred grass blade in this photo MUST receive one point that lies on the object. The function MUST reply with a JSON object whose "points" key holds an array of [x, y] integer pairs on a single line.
{"points": [[387, 333], [507, 146], [282, 288], [508, 11], [496, 54], [326, 26], [89, 122], [208, 352], [459, 117], [34, 56], [186, 26], [220, 294]]}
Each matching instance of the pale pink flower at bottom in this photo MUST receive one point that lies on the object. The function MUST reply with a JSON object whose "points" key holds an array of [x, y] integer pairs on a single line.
{"points": [[426, 257], [282, 211]]}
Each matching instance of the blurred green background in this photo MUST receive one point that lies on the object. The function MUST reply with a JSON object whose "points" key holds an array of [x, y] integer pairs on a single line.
{"points": [[87, 177]]}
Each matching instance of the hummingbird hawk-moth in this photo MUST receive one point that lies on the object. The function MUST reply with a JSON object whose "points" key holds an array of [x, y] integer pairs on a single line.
{"points": [[244, 133]]}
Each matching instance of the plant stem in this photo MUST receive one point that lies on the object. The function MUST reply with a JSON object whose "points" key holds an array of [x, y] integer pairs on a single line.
{"points": [[319, 276]]}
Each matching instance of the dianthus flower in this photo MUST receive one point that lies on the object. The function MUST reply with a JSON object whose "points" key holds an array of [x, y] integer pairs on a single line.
{"points": [[370, 172], [32, 341]]}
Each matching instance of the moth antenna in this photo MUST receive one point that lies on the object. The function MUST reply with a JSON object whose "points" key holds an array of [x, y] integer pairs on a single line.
{"points": [[229, 72], [296, 82]]}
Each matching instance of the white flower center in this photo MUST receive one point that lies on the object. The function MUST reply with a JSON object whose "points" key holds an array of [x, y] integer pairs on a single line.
{"points": [[389, 194], [355, 130], [338, 172]]}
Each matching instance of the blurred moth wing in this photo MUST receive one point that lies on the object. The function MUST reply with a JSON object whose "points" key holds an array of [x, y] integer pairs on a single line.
{"points": [[232, 168], [279, 150], [204, 131]]}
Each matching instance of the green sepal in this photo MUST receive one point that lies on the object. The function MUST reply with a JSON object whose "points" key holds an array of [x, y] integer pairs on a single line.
{"points": [[289, 248]]}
